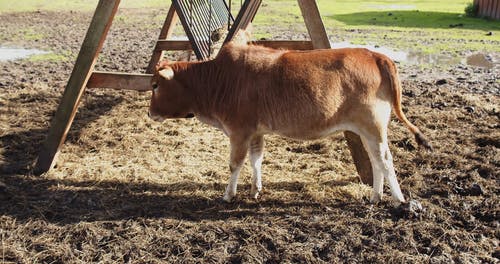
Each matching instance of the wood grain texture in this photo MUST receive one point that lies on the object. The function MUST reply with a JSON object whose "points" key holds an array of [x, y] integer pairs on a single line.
{"points": [[314, 24], [275, 44], [92, 44], [120, 81], [165, 33]]}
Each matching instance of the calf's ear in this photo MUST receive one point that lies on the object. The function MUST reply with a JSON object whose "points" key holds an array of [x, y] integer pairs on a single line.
{"points": [[167, 73]]}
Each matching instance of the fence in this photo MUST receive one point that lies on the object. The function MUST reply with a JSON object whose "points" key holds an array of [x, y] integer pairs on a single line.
{"points": [[488, 8]]}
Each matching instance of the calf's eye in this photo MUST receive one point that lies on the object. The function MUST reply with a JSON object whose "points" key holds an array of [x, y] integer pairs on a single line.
{"points": [[155, 86]]}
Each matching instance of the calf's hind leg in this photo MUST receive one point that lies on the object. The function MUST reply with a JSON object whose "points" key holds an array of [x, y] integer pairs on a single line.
{"points": [[383, 167], [373, 132], [239, 148], [256, 156]]}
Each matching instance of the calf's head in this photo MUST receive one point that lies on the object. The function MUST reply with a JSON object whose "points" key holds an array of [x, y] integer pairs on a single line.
{"points": [[170, 99]]}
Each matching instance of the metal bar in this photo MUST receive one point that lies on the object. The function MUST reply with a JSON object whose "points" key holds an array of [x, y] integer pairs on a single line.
{"points": [[221, 15], [209, 25], [226, 7], [182, 15], [229, 19], [201, 28], [199, 20]]}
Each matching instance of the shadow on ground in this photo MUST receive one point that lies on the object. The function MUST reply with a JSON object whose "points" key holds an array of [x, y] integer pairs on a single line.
{"points": [[65, 201], [21, 148]]}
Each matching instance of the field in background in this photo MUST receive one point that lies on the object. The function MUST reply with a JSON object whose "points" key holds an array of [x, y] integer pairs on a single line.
{"points": [[429, 28]]}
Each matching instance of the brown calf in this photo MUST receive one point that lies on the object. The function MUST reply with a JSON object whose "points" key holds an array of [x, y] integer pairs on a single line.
{"points": [[249, 91]]}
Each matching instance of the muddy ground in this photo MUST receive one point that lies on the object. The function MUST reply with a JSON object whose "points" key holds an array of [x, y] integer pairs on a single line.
{"points": [[126, 189]]}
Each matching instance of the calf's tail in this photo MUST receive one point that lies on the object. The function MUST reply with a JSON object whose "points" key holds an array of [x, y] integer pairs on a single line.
{"points": [[396, 91]]}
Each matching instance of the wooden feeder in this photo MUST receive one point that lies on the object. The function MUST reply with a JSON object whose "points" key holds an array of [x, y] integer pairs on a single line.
{"points": [[193, 17]]}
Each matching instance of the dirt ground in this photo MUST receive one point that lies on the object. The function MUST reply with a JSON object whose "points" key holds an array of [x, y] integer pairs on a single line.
{"points": [[127, 189]]}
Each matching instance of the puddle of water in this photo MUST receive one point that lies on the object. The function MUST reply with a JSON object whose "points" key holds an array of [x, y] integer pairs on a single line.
{"points": [[414, 58], [437, 59], [7, 54], [478, 60], [393, 54]]}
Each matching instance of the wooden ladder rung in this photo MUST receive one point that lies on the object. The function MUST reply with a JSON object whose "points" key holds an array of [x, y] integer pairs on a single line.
{"points": [[120, 81], [285, 44], [174, 45]]}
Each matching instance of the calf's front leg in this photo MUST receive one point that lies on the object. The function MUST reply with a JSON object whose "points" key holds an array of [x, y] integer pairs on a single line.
{"points": [[239, 148], [256, 155]]}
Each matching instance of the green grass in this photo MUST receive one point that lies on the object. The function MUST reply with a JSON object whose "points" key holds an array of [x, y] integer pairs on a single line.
{"points": [[355, 14], [354, 6], [30, 34], [423, 25], [414, 19], [49, 57]]}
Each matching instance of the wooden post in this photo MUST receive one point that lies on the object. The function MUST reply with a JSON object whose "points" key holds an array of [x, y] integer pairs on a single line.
{"points": [[165, 33], [244, 18], [92, 44], [317, 32], [360, 157], [314, 24]]}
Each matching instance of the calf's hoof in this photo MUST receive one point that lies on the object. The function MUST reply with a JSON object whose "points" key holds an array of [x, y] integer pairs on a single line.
{"points": [[375, 198], [255, 191], [228, 197], [397, 201]]}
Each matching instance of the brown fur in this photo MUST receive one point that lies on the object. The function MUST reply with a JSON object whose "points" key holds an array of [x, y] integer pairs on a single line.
{"points": [[248, 91], [294, 93]]}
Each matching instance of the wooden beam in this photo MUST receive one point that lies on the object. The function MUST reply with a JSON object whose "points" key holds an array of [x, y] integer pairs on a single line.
{"points": [[172, 45], [317, 32], [165, 33], [92, 44], [120, 81], [360, 157], [285, 44], [314, 24], [276, 44], [244, 18]]}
